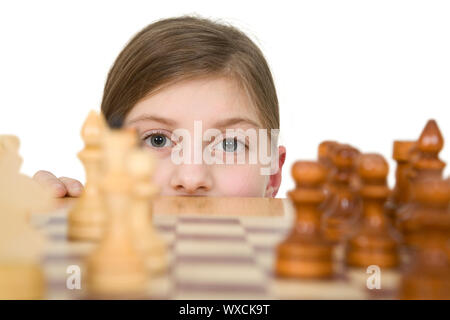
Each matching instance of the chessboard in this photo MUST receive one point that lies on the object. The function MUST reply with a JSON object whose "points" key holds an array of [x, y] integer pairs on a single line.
{"points": [[218, 248], [341, 233]]}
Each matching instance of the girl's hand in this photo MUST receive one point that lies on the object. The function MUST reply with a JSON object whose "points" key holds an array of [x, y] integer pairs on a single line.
{"points": [[61, 187]]}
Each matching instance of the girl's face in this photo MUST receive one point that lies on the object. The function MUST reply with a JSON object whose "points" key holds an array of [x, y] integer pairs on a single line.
{"points": [[196, 106]]}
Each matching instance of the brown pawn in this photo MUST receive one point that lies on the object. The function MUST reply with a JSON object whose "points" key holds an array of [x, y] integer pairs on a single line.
{"points": [[325, 156], [305, 253], [324, 153], [402, 152], [375, 242], [429, 274], [342, 209], [430, 202]]}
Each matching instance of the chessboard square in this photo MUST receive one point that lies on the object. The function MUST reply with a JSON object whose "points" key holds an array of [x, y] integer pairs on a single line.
{"points": [[272, 223], [167, 237], [268, 240], [39, 220], [59, 272], [212, 248], [210, 229], [164, 219], [217, 274], [316, 289], [201, 219], [64, 248], [160, 287], [59, 230], [388, 279], [266, 261], [210, 295]]}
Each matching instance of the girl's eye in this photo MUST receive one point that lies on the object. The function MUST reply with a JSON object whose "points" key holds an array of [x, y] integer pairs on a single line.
{"points": [[158, 140], [232, 145]]}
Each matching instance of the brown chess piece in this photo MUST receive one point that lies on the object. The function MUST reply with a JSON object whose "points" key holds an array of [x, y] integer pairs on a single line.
{"points": [[86, 219], [429, 274], [342, 209], [425, 164], [305, 253], [375, 241], [402, 151], [430, 201], [116, 267], [325, 155]]}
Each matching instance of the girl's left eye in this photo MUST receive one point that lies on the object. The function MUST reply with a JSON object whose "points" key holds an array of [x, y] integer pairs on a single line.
{"points": [[231, 145], [158, 141]]}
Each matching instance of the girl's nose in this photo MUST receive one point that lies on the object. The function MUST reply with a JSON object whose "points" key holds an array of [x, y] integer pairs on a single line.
{"points": [[192, 179]]}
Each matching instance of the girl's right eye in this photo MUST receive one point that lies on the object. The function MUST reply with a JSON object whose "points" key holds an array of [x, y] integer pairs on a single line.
{"points": [[157, 141]]}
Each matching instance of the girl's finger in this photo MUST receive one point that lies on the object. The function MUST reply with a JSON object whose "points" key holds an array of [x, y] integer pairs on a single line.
{"points": [[48, 180], [74, 187]]}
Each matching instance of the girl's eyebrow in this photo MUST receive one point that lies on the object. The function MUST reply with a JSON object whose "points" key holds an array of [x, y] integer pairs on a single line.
{"points": [[221, 124], [146, 117], [233, 121]]}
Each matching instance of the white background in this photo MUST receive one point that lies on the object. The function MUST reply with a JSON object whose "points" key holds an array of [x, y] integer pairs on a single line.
{"points": [[362, 72]]}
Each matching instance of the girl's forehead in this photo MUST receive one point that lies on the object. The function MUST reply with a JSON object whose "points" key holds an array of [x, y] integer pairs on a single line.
{"points": [[210, 100]]}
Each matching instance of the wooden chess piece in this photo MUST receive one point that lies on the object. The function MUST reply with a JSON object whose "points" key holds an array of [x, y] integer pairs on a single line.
{"points": [[141, 165], [375, 241], [429, 274], [87, 218], [342, 210], [402, 152], [116, 266], [305, 253], [430, 201], [425, 164], [21, 276], [325, 155]]}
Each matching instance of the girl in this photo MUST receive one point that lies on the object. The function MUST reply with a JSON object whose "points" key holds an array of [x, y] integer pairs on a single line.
{"points": [[188, 72]]}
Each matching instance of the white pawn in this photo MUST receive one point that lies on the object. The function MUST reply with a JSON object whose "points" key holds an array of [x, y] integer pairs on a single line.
{"points": [[21, 276], [86, 219], [116, 266], [141, 165]]}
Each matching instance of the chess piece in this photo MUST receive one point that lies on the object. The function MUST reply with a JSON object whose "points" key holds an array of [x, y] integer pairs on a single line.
{"points": [[430, 201], [305, 253], [325, 156], [141, 166], [429, 274], [86, 219], [116, 266], [402, 153], [21, 276], [375, 241], [425, 164], [342, 210]]}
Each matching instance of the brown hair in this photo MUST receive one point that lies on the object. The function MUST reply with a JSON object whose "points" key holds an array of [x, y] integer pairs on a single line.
{"points": [[175, 49]]}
